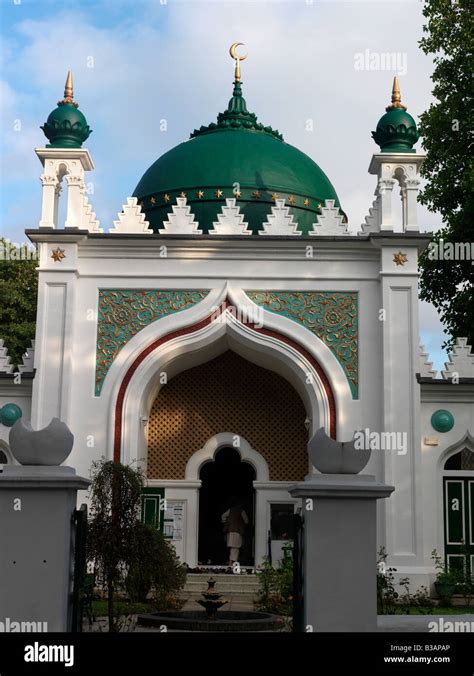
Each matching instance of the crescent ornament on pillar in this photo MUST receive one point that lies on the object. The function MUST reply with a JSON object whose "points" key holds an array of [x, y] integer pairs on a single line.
{"points": [[49, 446], [336, 457]]}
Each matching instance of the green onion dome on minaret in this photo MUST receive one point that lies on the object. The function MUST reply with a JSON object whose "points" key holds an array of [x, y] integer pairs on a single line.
{"points": [[235, 157], [66, 126], [396, 130]]}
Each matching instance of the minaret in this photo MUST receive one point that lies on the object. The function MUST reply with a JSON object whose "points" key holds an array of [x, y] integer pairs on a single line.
{"points": [[397, 162], [63, 157]]}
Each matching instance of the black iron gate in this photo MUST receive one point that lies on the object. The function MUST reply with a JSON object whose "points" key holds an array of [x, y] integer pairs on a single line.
{"points": [[80, 540], [298, 552]]}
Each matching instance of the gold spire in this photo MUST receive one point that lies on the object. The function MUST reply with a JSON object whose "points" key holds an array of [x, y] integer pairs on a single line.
{"points": [[237, 58], [396, 97], [68, 93]]}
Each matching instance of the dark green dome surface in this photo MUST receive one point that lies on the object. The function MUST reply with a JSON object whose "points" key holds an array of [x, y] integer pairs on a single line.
{"points": [[396, 132], [229, 157], [66, 127]]}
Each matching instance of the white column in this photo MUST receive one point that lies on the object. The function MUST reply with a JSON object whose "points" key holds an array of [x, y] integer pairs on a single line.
{"points": [[403, 197], [48, 207], [401, 406], [57, 194], [75, 189], [411, 222], [385, 188]]}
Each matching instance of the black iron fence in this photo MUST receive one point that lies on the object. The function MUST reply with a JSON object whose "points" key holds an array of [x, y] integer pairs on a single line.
{"points": [[298, 553]]}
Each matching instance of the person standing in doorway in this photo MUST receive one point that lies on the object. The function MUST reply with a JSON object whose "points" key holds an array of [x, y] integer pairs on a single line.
{"points": [[234, 519]]}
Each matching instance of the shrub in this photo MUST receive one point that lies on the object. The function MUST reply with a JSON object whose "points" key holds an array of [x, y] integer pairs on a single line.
{"points": [[154, 565], [275, 594]]}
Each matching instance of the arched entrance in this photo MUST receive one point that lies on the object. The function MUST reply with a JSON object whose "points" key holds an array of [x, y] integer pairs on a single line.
{"points": [[225, 481]]}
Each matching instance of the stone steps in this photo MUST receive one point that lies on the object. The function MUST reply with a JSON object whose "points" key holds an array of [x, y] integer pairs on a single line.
{"points": [[230, 585]]}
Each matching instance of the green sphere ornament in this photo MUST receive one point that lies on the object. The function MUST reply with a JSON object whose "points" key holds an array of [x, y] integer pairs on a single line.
{"points": [[9, 414], [442, 420], [396, 130], [66, 126]]}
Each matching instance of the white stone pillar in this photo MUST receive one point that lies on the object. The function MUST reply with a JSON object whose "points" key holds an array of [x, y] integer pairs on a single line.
{"points": [[57, 195], [340, 551], [403, 198], [75, 190], [401, 400], [37, 544], [411, 222], [49, 203], [385, 188]]}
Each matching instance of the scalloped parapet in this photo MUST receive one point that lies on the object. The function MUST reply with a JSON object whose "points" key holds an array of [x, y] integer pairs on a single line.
{"points": [[372, 220], [131, 220], [181, 221], [330, 221], [426, 367], [280, 221], [461, 361], [5, 365], [230, 221], [89, 220], [28, 360]]}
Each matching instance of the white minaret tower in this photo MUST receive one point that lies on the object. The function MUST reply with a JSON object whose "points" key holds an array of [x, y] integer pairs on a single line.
{"points": [[397, 162], [64, 158]]}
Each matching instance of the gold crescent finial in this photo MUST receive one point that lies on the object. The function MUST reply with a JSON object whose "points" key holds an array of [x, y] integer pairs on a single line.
{"points": [[396, 97], [68, 92], [237, 58]]}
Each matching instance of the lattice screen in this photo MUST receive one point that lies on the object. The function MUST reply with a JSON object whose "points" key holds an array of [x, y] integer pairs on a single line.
{"points": [[467, 459], [228, 394]]}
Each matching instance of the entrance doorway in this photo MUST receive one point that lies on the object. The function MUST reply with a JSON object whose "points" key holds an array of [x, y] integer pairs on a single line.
{"points": [[225, 480], [459, 511]]}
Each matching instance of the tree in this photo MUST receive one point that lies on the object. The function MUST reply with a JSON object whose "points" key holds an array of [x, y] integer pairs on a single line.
{"points": [[115, 500], [18, 296], [446, 128], [127, 555]]}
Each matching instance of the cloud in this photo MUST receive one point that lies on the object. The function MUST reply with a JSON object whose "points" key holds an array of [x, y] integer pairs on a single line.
{"points": [[170, 62]]}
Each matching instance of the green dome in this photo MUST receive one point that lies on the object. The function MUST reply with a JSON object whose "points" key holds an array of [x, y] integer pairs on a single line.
{"points": [[235, 157], [66, 126], [396, 130]]}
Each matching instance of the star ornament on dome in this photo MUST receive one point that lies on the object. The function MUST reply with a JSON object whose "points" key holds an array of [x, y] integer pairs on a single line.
{"points": [[200, 194], [275, 196], [166, 198], [182, 193], [153, 200], [291, 199], [218, 192], [306, 202], [57, 255], [400, 258]]}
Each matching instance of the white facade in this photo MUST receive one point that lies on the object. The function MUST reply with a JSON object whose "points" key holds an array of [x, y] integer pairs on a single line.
{"points": [[377, 264]]}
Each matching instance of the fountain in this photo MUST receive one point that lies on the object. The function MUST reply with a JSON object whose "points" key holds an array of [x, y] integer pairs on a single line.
{"points": [[212, 600], [197, 620]]}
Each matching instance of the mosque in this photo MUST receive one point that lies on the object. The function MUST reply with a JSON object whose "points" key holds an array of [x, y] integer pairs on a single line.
{"points": [[229, 313]]}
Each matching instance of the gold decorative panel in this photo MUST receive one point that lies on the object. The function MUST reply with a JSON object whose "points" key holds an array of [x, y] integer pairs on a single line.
{"points": [[228, 394]]}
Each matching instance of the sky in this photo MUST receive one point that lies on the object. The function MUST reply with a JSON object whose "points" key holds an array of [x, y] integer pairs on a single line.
{"points": [[311, 72]]}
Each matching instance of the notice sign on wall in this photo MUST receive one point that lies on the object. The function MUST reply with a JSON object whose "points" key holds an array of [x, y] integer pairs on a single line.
{"points": [[173, 522]]}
